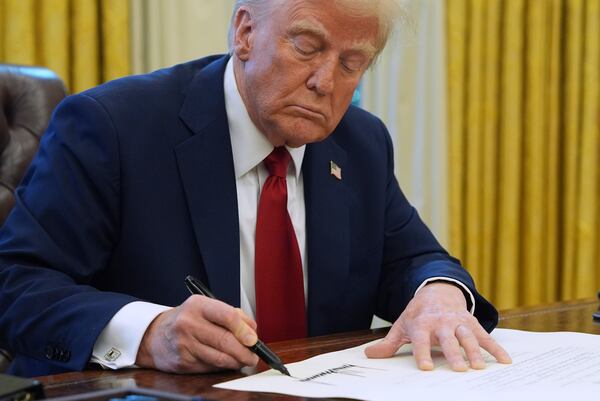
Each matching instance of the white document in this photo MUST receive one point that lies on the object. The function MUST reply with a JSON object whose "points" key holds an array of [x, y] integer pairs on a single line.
{"points": [[546, 366]]}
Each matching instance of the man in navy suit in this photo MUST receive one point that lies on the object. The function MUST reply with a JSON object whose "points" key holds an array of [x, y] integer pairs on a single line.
{"points": [[145, 180]]}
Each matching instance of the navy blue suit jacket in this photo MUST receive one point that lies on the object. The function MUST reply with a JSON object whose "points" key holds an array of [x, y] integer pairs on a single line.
{"points": [[134, 188]]}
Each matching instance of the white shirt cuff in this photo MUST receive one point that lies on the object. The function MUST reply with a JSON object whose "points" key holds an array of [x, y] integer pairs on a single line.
{"points": [[117, 345], [464, 287]]}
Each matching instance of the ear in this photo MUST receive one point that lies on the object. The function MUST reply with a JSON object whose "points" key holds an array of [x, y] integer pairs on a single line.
{"points": [[243, 30]]}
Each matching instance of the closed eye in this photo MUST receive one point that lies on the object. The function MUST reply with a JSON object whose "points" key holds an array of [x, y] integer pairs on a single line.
{"points": [[354, 64], [305, 50], [305, 46]]}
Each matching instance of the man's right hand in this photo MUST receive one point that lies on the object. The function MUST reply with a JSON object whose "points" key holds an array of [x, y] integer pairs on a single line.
{"points": [[201, 335]]}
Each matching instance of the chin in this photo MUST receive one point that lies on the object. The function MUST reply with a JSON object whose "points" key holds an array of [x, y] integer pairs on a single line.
{"points": [[296, 131], [308, 134], [297, 141]]}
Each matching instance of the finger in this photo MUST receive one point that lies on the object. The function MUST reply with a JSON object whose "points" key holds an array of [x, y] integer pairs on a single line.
{"points": [[422, 350], [206, 359], [469, 342], [224, 341], [249, 321], [224, 330], [228, 317], [243, 332], [451, 349], [490, 345]]}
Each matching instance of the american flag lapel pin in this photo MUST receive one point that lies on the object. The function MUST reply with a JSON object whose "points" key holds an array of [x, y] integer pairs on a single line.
{"points": [[335, 170]]}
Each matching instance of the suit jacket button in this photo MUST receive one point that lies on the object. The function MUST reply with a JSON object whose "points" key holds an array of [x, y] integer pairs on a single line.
{"points": [[50, 352], [64, 355]]}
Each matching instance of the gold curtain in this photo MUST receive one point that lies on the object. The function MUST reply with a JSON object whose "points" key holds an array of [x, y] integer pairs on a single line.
{"points": [[524, 146], [85, 42]]}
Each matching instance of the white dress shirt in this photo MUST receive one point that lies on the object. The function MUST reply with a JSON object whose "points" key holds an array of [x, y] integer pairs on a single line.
{"points": [[118, 343]]}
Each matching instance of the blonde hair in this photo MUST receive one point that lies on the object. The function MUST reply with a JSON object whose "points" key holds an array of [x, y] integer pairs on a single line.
{"points": [[389, 13]]}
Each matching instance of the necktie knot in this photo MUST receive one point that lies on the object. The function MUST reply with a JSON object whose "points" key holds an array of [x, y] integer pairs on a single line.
{"points": [[277, 162]]}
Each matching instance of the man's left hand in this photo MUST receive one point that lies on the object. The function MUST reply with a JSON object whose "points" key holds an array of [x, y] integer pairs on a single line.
{"points": [[438, 315]]}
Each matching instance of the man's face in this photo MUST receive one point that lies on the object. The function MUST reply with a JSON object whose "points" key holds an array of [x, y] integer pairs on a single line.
{"points": [[300, 66]]}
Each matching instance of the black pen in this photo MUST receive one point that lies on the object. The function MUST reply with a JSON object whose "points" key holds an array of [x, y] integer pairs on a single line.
{"points": [[269, 357]]}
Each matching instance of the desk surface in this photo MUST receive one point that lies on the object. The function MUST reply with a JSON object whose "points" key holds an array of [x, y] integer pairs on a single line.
{"points": [[564, 316]]}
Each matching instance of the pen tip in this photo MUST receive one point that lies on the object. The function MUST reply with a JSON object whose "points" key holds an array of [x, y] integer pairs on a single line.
{"points": [[285, 371]]}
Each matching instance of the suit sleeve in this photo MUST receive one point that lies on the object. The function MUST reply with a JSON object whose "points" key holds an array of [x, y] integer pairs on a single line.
{"points": [[411, 255], [60, 233]]}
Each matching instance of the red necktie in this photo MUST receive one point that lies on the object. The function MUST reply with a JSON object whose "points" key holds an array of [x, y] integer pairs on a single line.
{"points": [[280, 308]]}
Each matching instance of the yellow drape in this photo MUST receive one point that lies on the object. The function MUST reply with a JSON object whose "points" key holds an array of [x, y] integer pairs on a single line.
{"points": [[85, 42], [524, 128]]}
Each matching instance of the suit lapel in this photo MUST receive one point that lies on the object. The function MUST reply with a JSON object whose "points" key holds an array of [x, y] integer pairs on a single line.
{"points": [[206, 168], [327, 230]]}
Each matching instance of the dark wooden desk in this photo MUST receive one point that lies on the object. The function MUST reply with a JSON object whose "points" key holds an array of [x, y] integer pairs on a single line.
{"points": [[564, 316]]}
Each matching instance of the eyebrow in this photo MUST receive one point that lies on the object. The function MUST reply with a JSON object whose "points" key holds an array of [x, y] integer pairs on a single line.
{"points": [[316, 29], [308, 26]]}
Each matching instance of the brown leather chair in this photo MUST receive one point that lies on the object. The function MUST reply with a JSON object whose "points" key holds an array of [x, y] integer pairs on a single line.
{"points": [[27, 97]]}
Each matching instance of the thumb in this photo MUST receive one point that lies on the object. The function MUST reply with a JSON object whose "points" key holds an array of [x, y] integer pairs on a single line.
{"points": [[384, 348], [388, 345]]}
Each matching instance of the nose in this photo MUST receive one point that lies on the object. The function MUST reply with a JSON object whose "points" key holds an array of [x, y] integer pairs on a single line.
{"points": [[322, 79]]}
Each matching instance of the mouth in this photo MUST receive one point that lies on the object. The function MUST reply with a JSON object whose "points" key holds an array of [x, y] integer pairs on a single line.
{"points": [[308, 112]]}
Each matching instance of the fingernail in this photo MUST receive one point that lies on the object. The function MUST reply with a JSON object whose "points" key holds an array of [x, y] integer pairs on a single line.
{"points": [[250, 339], [460, 367]]}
